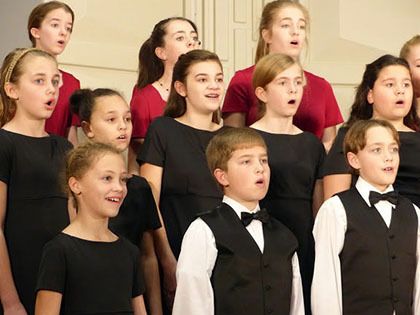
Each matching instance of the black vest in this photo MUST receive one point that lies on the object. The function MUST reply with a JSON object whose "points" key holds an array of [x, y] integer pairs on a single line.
{"points": [[378, 264], [244, 280]]}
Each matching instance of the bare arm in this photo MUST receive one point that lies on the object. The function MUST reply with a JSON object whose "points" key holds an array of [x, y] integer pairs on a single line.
{"points": [[151, 274], [234, 119], [328, 137], [336, 183], [48, 303], [153, 174], [317, 197], [133, 151], [8, 294], [138, 305]]}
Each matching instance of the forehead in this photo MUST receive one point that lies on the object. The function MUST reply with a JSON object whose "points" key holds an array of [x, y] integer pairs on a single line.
{"points": [[175, 26], [293, 71], [379, 134], [290, 12], [394, 71], [111, 103], [205, 67], [109, 161], [414, 51], [252, 149], [38, 64]]}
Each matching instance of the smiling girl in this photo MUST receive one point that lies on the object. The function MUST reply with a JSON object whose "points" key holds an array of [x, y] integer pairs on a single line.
{"points": [[87, 269], [173, 156], [386, 92], [283, 29], [295, 156], [33, 209], [50, 25]]}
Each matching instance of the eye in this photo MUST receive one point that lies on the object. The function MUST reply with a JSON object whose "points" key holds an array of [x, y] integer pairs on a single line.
{"points": [[39, 81], [395, 150], [406, 84], [202, 80], [54, 25], [286, 25], [180, 38], [264, 160], [245, 162], [55, 82], [299, 82], [124, 179], [302, 27], [69, 29], [282, 82], [107, 178], [128, 119], [390, 85], [376, 150], [220, 80], [111, 119]]}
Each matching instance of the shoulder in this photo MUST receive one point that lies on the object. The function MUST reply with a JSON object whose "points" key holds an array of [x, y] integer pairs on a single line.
{"points": [[148, 90], [70, 79], [315, 80], [162, 122], [244, 75], [137, 183], [6, 138], [62, 142]]}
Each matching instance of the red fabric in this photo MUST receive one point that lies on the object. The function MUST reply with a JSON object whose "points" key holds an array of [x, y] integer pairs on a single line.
{"points": [[146, 104], [317, 111], [61, 118]]}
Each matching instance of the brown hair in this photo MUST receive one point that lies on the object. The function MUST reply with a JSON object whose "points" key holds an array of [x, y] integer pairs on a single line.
{"points": [[177, 105], [405, 49], [361, 109], [81, 159], [266, 69], [39, 13], [150, 66], [355, 139], [12, 69], [268, 16], [222, 145]]}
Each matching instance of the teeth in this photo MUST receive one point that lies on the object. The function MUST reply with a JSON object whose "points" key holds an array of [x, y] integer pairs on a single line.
{"points": [[114, 199]]}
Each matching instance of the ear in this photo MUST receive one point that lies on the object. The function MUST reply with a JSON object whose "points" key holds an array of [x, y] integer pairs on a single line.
{"points": [[221, 177], [353, 160], [161, 53], [87, 129], [35, 33], [74, 186], [261, 94], [180, 88], [369, 97], [11, 90], [266, 35]]}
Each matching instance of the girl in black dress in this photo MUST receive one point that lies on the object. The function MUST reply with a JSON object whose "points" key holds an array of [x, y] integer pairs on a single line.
{"points": [[106, 118], [295, 157], [87, 269], [33, 209], [173, 157], [386, 92]]}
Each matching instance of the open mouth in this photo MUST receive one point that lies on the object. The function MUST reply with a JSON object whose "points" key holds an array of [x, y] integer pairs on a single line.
{"points": [[294, 42], [122, 137], [61, 42], [114, 199], [291, 102], [400, 102], [388, 169], [213, 96]]}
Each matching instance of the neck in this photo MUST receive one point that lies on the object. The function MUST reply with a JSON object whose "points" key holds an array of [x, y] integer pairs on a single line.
{"points": [[280, 125], [197, 120], [87, 227], [166, 78], [27, 127], [399, 125]]}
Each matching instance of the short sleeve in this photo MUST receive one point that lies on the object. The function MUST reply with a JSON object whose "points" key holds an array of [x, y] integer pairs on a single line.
{"points": [[139, 114], [153, 149], [6, 157], [335, 161], [237, 97], [321, 159], [52, 269], [138, 281], [333, 115], [151, 213]]}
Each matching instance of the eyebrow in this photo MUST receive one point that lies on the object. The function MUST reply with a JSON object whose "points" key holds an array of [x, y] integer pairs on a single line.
{"points": [[290, 19], [206, 74], [184, 32]]}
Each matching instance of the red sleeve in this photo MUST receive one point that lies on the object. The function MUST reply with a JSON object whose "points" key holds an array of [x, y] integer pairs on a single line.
{"points": [[238, 98], [333, 115], [140, 112], [75, 121]]}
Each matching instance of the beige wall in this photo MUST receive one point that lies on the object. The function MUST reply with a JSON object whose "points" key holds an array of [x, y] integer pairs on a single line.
{"points": [[345, 35]]}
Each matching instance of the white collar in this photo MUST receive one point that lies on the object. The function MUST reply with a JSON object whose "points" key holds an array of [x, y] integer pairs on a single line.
{"points": [[364, 188], [238, 207]]}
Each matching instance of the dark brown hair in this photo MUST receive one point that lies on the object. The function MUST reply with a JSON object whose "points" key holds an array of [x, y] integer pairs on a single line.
{"points": [[150, 66], [361, 109], [39, 13]]}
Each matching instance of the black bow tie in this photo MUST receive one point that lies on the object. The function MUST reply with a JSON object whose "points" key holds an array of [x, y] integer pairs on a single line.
{"points": [[261, 215], [375, 197]]}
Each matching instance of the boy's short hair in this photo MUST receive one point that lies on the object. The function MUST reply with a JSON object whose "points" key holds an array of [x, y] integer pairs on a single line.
{"points": [[222, 146], [355, 139]]}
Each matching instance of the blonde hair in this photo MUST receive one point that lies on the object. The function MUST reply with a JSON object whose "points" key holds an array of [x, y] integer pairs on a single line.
{"points": [[221, 146], [12, 69], [266, 69], [405, 49], [268, 16]]}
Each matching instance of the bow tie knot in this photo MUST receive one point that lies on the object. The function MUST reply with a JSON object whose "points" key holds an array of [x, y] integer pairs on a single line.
{"points": [[375, 197], [261, 215]]}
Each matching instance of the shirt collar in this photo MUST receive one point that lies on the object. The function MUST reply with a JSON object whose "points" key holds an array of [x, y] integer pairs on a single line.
{"points": [[238, 207], [364, 188]]}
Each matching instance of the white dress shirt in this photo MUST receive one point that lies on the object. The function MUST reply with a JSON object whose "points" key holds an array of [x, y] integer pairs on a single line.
{"points": [[194, 293], [329, 232]]}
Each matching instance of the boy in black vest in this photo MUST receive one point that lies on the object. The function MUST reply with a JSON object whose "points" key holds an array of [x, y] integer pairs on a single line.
{"points": [[236, 259], [366, 238]]}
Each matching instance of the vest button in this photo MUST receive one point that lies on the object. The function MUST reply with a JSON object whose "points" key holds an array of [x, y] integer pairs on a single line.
{"points": [[393, 256], [266, 265], [270, 311], [396, 300], [391, 236], [394, 279], [267, 287]]}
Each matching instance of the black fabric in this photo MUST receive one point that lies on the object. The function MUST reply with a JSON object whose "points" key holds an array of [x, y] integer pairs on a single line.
{"points": [[407, 182], [378, 264], [247, 217], [138, 212], [36, 207], [375, 197], [244, 280], [188, 187], [94, 277], [295, 162]]}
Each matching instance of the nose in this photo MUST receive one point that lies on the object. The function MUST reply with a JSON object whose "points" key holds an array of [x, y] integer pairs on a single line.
{"points": [[293, 87], [388, 156], [122, 124]]}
